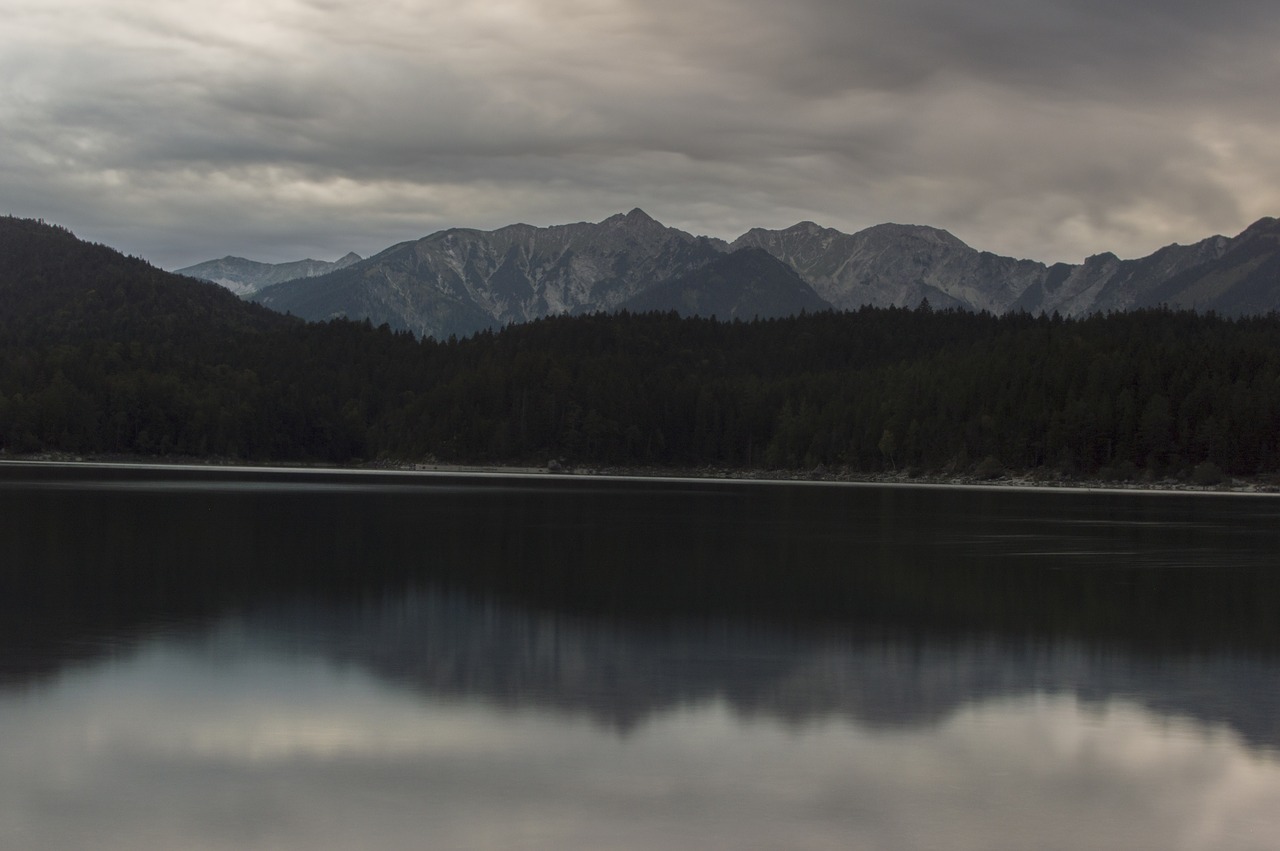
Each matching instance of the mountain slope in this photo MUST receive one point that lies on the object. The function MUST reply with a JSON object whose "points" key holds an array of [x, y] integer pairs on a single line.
{"points": [[896, 265], [1105, 282], [459, 281], [1241, 279], [382, 291], [55, 287], [745, 284], [901, 264], [245, 277]]}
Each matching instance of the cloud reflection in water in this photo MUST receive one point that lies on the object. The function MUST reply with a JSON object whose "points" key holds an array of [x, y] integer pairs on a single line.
{"points": [[230, 738]]}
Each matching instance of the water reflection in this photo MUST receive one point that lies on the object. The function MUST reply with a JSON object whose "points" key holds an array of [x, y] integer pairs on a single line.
{"points": [[434, 720], [236, 659], [619, 675], [106, 551]]}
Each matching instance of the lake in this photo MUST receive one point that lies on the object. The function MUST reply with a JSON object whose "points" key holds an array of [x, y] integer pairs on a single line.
{"points": [[228, 658]]}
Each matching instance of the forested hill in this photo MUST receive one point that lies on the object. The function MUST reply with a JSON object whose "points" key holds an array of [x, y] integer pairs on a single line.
{"points": [[102, 353], [53, 283]]}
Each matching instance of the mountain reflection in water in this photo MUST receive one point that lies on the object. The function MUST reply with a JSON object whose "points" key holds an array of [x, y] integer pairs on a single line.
{"points": [[233, 659], [621, 675], [431, 719]]}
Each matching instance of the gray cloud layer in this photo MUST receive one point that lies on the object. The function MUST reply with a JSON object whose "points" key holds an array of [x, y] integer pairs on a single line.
{"points": [[281, 128]]}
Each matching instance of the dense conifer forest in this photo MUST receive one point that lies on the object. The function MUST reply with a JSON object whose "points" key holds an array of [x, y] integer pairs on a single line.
{"points": [[101, 353]]}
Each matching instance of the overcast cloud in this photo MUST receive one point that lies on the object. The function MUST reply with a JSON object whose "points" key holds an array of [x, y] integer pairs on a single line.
{"points": [[278, 129]]}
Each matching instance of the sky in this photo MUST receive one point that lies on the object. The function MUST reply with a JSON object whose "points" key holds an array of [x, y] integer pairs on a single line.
{"points": [[280, 129]]}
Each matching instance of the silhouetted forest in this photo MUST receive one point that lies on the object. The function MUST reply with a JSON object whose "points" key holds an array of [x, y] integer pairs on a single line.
{"points": [[101, 353]]}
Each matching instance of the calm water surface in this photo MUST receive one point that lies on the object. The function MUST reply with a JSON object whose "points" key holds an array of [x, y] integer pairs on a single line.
{"points": [[220, 659]]}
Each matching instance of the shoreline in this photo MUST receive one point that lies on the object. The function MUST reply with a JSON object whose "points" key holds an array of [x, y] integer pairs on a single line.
{"points": [[1268, 485]]}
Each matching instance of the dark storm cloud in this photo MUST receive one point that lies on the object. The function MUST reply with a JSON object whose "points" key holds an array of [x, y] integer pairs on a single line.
{"points": [[1080, 48], [287, 127]]}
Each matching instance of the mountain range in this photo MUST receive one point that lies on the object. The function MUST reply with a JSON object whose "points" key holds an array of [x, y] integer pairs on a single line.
{"points": [[245, 277], [459, 281]]}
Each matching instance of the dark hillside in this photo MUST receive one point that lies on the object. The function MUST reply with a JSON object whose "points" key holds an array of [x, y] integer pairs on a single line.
{"points": [[105, 353], [55, 287], [748, 283], [362, 291]]}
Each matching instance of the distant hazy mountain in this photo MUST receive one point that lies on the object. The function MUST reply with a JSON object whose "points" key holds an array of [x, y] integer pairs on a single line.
{"points": [[460, 280], [744, 284], [245, 277]]}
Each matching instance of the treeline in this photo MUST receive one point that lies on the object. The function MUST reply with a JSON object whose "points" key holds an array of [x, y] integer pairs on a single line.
{"points": [[100, 353], [1151, 391]]}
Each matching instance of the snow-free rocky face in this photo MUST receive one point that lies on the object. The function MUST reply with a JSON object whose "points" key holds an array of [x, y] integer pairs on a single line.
{"points": [[459, 281]]}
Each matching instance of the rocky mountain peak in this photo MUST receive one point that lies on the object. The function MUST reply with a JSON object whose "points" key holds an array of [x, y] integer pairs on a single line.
{"points": [[636, 220], [890, 232], [1265, 227], [790, 244], [808, 228], [1101, 259]]}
